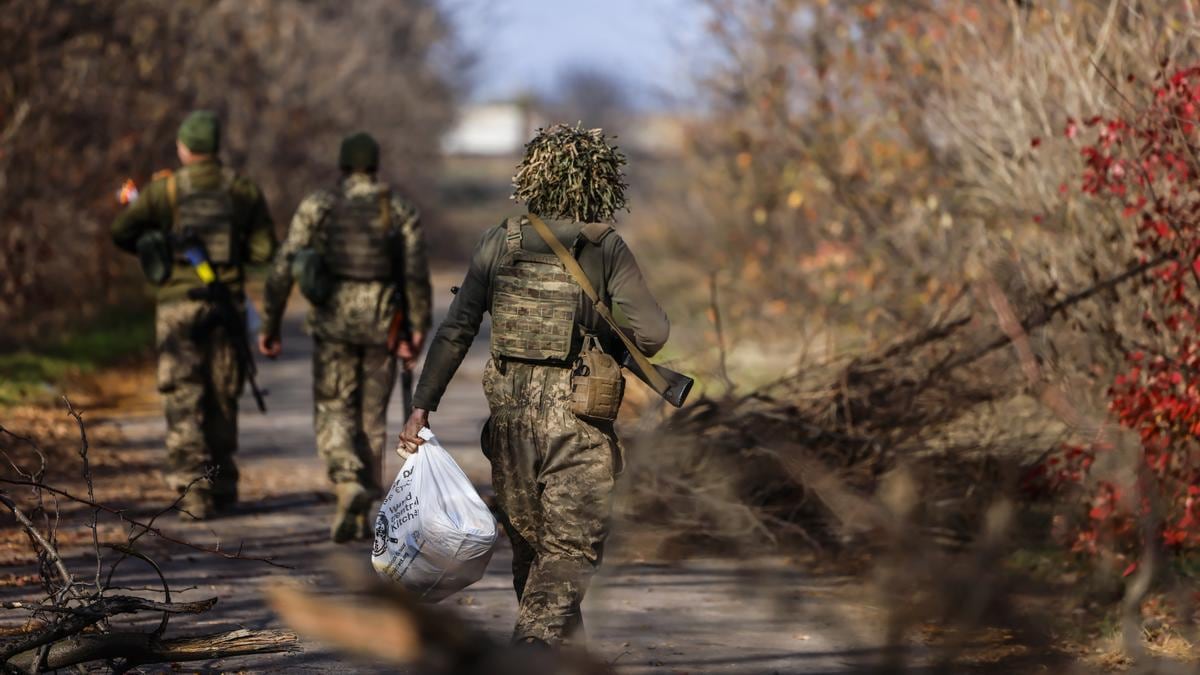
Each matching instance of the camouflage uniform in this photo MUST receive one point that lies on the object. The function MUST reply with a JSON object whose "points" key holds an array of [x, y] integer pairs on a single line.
{"points": [[198, 373], [552, 471], [353, 372]]}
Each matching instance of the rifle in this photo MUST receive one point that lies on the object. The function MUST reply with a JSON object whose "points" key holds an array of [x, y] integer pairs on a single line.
{"points": [[399, 331], [217, 292], [672, 386]]}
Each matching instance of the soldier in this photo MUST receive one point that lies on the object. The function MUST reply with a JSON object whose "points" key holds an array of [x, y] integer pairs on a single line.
{"points": [[553, 462], [199, 372], [360, 246]]}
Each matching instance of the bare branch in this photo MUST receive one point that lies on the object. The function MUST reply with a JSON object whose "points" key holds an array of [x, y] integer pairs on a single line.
{"points": [[87, 477], [47, 549], [120, 513]]}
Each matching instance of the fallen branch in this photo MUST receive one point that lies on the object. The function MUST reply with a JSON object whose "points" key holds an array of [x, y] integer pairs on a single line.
{"points": [[79, 618], [74, 621], [51, 554], [140, 648], [1046, 314]]}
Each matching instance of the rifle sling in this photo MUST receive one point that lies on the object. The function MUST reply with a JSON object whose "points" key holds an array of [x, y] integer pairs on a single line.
{"points": [[172, 199], [655, 379]]}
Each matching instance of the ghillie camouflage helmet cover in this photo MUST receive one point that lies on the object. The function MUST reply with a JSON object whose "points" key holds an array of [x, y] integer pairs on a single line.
{"points": [[571, 173]]}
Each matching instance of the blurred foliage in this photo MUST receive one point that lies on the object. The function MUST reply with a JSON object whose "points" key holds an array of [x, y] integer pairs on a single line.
{"points": [[117, 334], [93, 91], [876, 212], [861, 164]]}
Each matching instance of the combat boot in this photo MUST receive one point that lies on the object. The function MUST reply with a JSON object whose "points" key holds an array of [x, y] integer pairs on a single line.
{"points": [[196, 505], [352, 500], [225, 501]]}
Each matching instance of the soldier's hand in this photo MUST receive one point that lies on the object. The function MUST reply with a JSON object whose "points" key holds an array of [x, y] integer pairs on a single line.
{"points": [[410, 438], [409, 350], [270, 346]]}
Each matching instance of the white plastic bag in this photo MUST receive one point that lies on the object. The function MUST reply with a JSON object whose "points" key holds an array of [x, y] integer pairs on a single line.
{"points": [[433, 534]]}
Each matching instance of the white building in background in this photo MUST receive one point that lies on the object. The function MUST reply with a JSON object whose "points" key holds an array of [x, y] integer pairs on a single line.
{"points": [[660, 135], [491, 130], [502, 129]]}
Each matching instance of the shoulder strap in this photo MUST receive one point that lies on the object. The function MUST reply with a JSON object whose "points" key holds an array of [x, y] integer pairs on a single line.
{"points": [[595, 232], [602, 309], [173, 198], [513, 239], [326, 199], [385, 208]]}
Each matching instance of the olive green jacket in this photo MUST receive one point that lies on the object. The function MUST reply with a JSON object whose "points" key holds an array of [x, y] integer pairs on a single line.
{"points": [[252, 226], [609, 265], [357, 312]]}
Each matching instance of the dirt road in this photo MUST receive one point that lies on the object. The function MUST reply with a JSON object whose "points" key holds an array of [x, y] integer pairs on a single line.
{"points": [[642, 616]]}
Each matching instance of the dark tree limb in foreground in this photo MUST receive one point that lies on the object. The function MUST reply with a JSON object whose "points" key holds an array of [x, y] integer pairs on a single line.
{"points": [[134, 649]]}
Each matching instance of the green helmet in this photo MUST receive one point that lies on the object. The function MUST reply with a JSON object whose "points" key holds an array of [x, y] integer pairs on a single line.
{"points": [[359, 152], [201, 132], [571, 173]]}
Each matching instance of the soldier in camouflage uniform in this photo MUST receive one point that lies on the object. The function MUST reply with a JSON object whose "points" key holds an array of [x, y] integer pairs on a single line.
{"points": [[198, 370], [370, 240], [552, 470]]}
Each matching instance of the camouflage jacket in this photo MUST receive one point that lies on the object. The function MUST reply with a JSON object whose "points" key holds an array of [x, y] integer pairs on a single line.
{"points": [[357, 312], [254, 230], [609, 265]]}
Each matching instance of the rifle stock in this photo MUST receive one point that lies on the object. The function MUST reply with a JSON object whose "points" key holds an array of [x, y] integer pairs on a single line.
{"points": [[678, 384]]}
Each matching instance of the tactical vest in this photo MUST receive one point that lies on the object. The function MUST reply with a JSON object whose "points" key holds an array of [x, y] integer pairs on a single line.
{"points": [[204, 214], [534, 303], [358, 242]]}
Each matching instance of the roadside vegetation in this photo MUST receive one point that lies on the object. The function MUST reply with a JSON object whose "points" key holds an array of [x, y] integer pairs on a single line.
{"points": [[40, 371], [934, 264]]}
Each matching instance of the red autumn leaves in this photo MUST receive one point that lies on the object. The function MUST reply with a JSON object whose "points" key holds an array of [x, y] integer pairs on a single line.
{"points": [[1146, 165]]}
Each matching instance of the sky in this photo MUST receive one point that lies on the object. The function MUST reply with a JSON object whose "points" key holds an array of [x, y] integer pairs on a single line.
{"points": [[523, 46]]}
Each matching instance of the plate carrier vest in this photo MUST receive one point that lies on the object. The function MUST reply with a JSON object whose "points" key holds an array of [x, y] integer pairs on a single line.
{"points": [[206, 215], [357, 239], [534, 302]]}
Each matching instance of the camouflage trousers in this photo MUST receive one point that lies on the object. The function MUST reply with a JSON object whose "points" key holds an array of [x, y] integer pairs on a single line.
{"points": [[553, 474], [200, 381], [351, 388]]}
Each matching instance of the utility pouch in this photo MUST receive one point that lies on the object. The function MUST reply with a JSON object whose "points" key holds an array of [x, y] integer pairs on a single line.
{"points": [[312, 276], [154, 254], [597, 384]]}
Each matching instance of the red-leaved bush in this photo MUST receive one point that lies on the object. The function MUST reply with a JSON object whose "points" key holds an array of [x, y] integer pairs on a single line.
{"points": [[1146, 164]]}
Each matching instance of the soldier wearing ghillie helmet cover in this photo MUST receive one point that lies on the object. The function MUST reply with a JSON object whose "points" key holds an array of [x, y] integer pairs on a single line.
{"points": [[552, 388]]}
